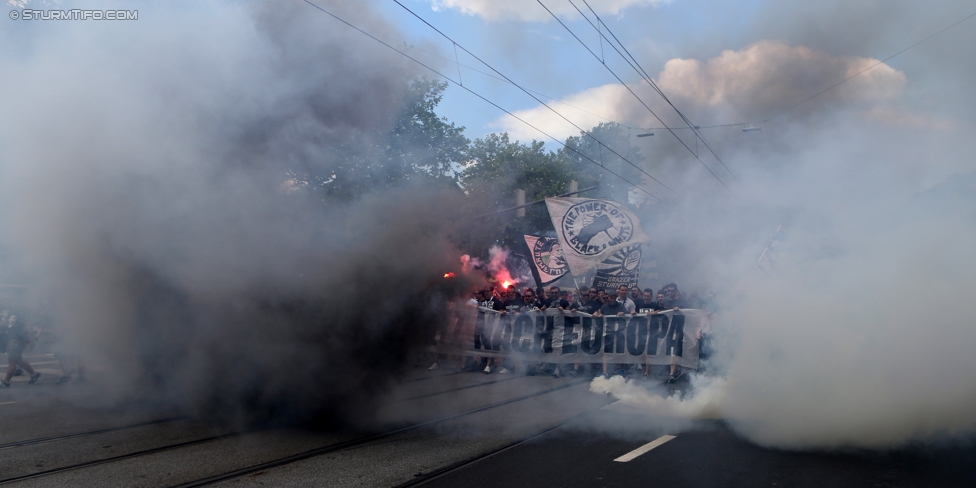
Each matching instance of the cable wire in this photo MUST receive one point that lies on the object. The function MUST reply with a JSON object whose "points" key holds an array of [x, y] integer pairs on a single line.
{"points": [[367, 34], [562, 102], [650, 81], [499, 73], [632, 93]]}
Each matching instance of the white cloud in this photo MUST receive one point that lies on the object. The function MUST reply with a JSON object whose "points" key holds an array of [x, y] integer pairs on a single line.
{"points": [[529, 11], [736, 86], [586, 109], [769, 75]]}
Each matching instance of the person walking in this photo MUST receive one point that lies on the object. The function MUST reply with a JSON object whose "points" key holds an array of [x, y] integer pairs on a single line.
{"points": [[17, 341]]}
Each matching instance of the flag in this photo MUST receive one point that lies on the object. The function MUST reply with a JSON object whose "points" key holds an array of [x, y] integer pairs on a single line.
{"points": [[621, 268], [547, 256], [590, 231]]}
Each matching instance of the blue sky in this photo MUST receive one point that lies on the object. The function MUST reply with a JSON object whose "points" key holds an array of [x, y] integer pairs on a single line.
{"points": [[542, 56]]}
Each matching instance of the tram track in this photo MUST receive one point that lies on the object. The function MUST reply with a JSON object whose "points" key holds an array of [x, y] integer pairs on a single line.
{"points": [[88, 464], [452, 390], [257, 467], [41, 440], [339, 446]]}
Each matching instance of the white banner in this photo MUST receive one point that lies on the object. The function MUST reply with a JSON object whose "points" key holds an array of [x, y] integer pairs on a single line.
{"points": [[547, 257], [558, 336], [590, 231]]}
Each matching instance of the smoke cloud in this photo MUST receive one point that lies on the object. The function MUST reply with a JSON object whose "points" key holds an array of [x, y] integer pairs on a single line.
{"points": [[148, 184], [148, 179], [860, 333]]}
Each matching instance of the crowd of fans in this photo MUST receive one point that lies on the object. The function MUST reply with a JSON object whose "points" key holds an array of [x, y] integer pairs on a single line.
{"points": [[622, 301], [595, 301]]}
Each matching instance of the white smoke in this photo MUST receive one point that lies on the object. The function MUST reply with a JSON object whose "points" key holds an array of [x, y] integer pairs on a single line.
{"points": [[862, 334]]}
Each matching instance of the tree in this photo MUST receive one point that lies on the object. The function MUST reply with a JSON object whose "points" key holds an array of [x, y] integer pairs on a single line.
{"points": [[495, 169], [416, 146], [421, 141], [615, 137]]}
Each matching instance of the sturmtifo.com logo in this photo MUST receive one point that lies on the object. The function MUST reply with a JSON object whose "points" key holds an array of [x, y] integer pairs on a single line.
{"points": [[590, 227], [73, 14]]}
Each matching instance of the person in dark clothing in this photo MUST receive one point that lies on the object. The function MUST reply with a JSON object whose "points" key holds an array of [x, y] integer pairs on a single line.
{"points": [[528, 303], [646, 302], [18, 337], [593, 303], [549, 296], [552, 300], [673, 300], [489, 300], [586, 302], [514, 302], [555, 299], [611, 307], [672, 297], [582, 296]]}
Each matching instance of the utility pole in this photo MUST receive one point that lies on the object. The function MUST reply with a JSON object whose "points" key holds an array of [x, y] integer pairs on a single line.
{"points": [[520, 202], [573, 187]]}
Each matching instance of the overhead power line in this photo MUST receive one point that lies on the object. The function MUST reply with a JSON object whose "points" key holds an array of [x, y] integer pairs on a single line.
{"points": [[563, 102], [527, 92], [442, 75], [650, 81], [543, 95], [669, 129]]}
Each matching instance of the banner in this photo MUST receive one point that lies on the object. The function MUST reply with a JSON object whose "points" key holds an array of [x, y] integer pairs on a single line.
{"points": [[547, 256], [590, 231], [558, 336], [621, 268]]}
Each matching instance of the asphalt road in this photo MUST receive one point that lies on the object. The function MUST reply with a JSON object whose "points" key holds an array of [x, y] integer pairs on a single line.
{"points": [[435, 429]]}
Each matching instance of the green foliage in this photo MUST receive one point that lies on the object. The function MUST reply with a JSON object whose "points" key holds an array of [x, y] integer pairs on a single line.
{"points": [[497, 167], [616, 140], [416, 147], [423, 142]]}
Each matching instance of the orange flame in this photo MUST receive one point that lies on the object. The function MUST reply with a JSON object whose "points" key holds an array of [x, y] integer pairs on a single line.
{"points": [[506, 284], [449, 275]]}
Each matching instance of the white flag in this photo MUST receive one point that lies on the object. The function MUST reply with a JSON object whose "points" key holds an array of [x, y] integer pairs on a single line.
{"points": [[547, 256], [592, 230]]}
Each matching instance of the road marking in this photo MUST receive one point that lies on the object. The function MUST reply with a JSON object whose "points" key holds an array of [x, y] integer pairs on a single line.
{"points": [[8, 403], [630, 456]]}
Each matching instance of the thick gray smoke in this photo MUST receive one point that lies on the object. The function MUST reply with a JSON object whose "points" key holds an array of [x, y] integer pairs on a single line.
{"points": [[148, 182], [856, 329], [859, 332]]}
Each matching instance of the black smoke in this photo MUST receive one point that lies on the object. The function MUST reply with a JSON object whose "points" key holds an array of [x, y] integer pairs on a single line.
{"points": [[150, 186]]}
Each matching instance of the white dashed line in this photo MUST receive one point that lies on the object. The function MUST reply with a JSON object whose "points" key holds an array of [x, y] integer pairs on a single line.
{"points": [[8, 403], [630, 456]]}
